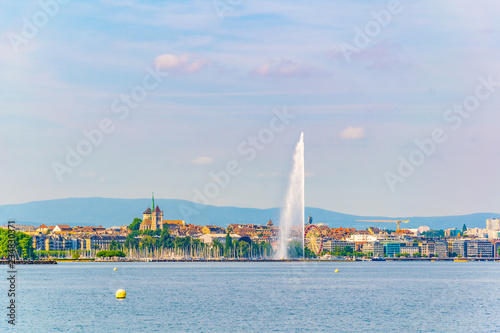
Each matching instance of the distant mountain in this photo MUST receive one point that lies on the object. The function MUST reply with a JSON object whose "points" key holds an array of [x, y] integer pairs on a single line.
{"points": [[116, 212]]}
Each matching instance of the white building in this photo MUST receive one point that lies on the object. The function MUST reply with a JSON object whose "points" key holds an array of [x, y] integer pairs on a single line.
{"points": [[423, 229], [478, 232], [493, 224], [361, 238], [209, 238]]}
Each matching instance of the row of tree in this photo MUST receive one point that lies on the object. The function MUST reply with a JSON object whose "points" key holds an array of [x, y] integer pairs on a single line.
{"points": [[23, 245]]}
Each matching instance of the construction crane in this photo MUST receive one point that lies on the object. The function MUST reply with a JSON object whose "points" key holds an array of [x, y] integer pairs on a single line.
{"points": [[386, 221]]}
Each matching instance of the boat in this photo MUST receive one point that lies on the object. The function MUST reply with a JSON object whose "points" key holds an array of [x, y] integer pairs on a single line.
{"points": [[378, 259]]}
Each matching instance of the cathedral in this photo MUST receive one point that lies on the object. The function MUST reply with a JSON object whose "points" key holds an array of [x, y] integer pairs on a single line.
{"points": [[152, 218]]}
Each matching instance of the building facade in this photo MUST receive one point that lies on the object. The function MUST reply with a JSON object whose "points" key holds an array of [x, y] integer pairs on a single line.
{"points": [[152, 218]]}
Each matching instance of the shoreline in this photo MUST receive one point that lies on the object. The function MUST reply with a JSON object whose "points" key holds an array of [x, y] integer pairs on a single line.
{"points": [[56, 261]]}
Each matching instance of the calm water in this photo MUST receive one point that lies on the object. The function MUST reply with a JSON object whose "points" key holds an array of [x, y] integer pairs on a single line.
{"points": [[206, 297]]}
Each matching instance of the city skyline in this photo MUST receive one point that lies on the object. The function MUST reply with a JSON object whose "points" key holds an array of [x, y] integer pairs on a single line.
{"points": [[368, 84]]}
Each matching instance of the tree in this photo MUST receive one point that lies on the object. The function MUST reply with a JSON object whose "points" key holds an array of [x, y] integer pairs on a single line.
{"points": [[295, 249], [109, 253], [24, 244], [136, 224], [228, 247], [76, 256], [113, 245], [347, 251], [131, 242], [165, 240]]}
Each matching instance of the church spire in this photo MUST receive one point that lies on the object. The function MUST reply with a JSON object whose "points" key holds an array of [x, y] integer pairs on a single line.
{"points": [[153, 202]]}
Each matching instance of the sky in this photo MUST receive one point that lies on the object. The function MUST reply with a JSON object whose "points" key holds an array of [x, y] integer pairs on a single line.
{"points": [[205, 100]]}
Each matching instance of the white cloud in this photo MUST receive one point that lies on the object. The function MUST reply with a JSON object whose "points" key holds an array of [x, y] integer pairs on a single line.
{"points": [[202, 160], [352, 133], [285, 68], [183, 63]]}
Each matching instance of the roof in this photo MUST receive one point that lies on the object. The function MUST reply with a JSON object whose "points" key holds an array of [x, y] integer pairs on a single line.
{"points": [[148, 211], [147, 221], [157, 210], [42, 226], [270, 223]]}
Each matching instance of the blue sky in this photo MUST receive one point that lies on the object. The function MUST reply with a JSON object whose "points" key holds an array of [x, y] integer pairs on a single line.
{"points": [[228, 73]]}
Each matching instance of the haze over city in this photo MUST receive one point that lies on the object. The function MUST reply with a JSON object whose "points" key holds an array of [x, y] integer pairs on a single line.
{"points": [[361, 99]]}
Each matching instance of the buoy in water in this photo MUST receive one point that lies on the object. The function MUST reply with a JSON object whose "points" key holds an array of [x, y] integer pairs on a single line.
{"points": [[114, 269], [120, 293], [336, 270]]}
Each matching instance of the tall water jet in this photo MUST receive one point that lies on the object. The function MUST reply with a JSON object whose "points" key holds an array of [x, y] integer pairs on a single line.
{"points": [[292, 212]]}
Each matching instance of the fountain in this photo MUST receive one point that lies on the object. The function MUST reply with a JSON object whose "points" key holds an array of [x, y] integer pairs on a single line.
{"points": [[292, 212]]}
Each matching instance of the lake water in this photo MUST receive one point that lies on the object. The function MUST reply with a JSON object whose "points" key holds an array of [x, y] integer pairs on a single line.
{"points": [[258, 296]]}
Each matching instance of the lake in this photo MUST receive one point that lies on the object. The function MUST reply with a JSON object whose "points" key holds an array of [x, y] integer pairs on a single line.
{"points": [[257, 296]]}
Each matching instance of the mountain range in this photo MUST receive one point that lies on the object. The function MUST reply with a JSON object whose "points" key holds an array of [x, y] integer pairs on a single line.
{"points": [[109, 212]]}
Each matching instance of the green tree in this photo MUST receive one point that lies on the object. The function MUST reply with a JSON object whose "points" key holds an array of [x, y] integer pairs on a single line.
{"points": [[113, 245], [135, 225], [110, 253], [76, 256], [147, 242], [347, 251], [309, 253], [227, 247], [217, 246], [295, 249], [165, 240], [24, 244], [131, 242]]}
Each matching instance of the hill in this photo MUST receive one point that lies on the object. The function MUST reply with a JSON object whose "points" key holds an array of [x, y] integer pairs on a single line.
{"points": [[115, 212]]}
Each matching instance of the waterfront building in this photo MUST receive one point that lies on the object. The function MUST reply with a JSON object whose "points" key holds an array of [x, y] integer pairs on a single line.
{"points": [[392, 248], [331, 245], [441, 249], [39, 242], [376, 248], [427, 248], [459, 247], [496, 248], [410, 248], [102, 242], [58, 243], [480, 249]]}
